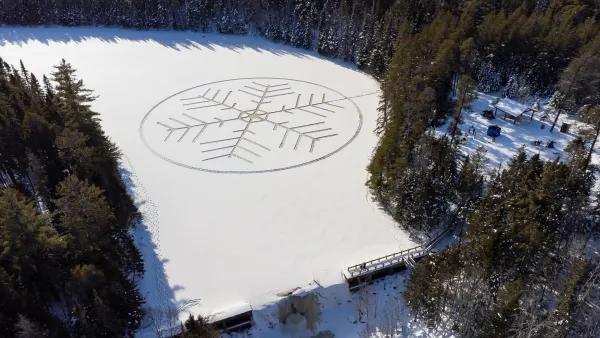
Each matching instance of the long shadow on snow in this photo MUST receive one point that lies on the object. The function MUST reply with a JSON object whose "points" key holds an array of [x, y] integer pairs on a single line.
{"points": [[339, 312], [177, 40], [163, 296]]}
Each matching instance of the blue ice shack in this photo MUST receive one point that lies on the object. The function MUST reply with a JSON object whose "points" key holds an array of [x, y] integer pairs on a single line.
{"points": [[493, 131]]}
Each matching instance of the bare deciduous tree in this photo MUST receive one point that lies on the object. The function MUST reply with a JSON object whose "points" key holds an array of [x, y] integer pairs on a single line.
{"points": [[587, 313], [26, 328], [365, 304], [390, 318], [163, 322]]}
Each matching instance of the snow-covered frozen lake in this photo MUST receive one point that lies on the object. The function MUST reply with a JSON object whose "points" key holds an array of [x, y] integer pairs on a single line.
{"points": [[246, 157]]}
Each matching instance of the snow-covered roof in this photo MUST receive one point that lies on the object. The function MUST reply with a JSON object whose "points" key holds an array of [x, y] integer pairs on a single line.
{"points": [[511, 107], [230, 311]]}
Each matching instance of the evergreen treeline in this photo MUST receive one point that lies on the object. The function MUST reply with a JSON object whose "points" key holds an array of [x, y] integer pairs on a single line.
{"points": [[524, 43], [67, 261], [359, 31], [520, 270], [546, 48]]}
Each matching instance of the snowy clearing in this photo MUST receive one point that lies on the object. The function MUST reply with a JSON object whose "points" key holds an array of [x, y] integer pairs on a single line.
{"points": [[513, 135], [211, 240]]}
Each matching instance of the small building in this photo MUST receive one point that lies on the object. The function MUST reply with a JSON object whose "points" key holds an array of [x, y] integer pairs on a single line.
{"points": [[513, 110], [233, 319]]}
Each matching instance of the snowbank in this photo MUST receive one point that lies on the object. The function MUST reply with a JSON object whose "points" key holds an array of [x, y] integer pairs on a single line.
{"points": [[211, 239], [511, 107]]}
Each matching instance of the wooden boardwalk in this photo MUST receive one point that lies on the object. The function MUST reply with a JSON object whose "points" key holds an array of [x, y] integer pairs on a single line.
{"points": [[364, 273]]}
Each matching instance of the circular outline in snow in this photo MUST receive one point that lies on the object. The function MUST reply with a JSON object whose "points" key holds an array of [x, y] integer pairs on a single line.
{"points": [[344, 97]]}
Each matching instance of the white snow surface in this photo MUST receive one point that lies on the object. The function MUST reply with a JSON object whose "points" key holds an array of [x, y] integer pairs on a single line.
{"points": [[212, 240], [514, 135], [231, 311], [511, 107], [215, 242]]}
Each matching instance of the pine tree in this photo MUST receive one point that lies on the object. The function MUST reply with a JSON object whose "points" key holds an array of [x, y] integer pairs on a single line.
{"points": [[25, 74], [74, 152], [27, 328], [83, 214], [592, 116], [328, 21], [72, 98], [364, 43], [488, 78], [377, 53], [199, 328], [471, 180], [424, 190], [466, 94], [28, 242], [301, 35], [49, 251]]}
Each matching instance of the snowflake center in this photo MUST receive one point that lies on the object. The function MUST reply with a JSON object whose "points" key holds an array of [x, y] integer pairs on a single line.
{"points": [[253, 116], [245, 120]]}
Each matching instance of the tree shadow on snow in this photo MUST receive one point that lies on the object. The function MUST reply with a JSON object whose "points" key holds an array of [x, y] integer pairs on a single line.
{"points": [[342, 313], [161, 304], [176, 40]]}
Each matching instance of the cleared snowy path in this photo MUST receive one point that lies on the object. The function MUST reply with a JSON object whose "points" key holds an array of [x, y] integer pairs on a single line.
{"points": [[227, 238]]}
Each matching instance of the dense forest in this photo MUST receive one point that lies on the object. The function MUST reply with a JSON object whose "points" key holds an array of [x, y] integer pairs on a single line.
{"points": [[519, 268], [67, 261], [364, 32], [68, 264]]}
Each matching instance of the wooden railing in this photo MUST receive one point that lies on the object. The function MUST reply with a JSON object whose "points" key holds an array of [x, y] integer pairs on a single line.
{"points": [[397, 258], [385, 261]]}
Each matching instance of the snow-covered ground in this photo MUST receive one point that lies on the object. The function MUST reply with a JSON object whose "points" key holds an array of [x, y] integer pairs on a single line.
{"points": [[244, 195], [514, 135], [247, 159]]}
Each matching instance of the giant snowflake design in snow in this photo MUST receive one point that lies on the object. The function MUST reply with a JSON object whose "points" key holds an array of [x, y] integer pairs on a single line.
{"points": [[251, 125]]}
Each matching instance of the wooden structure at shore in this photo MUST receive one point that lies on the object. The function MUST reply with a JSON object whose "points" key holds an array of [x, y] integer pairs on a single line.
{"points": [[234, 319], [364, 273]]}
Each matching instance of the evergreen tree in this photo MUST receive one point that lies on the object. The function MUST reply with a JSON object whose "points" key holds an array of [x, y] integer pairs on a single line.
{"points": [[424, 190], [466, 94], [301, 35], [199, 328], [364, 43], [377, 57], [327, 43], [27, 246], [505, 277], [513, 254], [72, 255], [592, 115], [471, 182], [73, 151], [27, 329], [83, 214], [72, 99]]}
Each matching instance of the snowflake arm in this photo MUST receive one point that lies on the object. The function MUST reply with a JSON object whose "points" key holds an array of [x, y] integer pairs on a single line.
{"points": [[245, 146]]}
